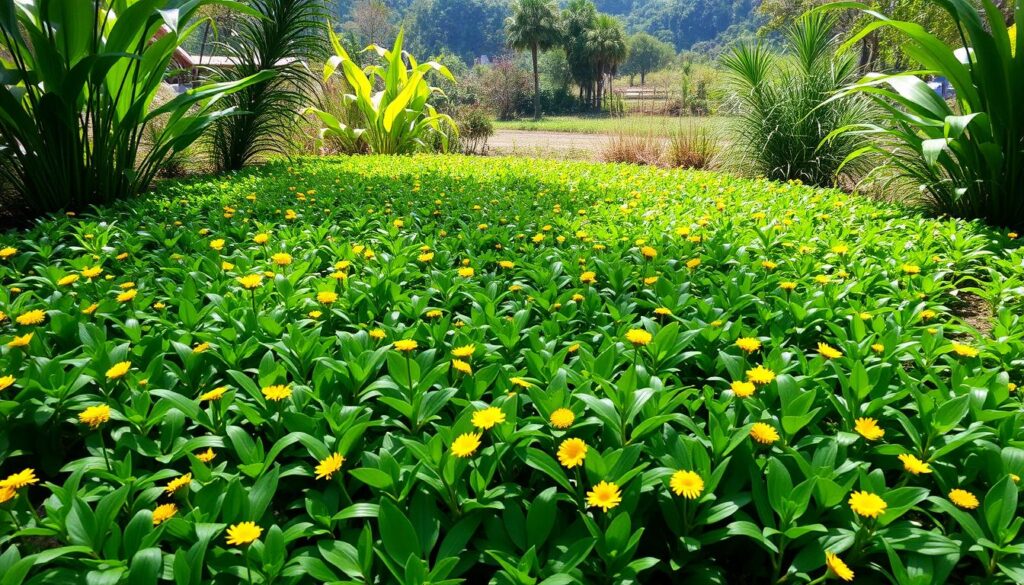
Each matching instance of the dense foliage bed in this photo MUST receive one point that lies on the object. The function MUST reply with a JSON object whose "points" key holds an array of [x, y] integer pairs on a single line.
{"points": [[745, 364]]}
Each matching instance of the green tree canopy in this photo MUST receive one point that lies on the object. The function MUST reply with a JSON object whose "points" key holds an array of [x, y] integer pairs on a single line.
{"points": [[646, 54]]}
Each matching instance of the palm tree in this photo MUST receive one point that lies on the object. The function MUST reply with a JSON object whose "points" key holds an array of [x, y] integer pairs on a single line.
{"points": [[577, 19], [534, 26], [606, 43]]}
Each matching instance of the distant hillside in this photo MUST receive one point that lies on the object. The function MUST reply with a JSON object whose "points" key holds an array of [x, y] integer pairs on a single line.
{"points": [[474, 27]]}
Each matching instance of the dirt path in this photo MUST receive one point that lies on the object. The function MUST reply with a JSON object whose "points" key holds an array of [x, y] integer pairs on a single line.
{"points": [[567, 145]]}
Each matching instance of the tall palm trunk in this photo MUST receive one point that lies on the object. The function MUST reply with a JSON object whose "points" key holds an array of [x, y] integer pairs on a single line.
{"points": [[536, 85]]}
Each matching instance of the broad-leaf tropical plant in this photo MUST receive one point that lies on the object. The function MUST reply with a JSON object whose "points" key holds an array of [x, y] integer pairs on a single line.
{"points": [[966, 156], [79, 82], [397, 119]]}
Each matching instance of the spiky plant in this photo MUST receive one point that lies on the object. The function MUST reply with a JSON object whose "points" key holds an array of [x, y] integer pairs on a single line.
{"points": [[787, 114], [287, 36]]}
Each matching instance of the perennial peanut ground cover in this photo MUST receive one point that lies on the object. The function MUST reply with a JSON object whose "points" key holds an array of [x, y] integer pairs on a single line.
{"points": [[437, 369]]}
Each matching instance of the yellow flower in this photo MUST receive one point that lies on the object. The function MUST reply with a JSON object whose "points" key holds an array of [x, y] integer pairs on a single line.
{"points": [[760, 375], [605, 495], [877, 347], [562, 418], [277, 392], [377, 334], [869, 429], [840, 248], [250, 281], [127, 295], [20, 340], [92, 272], [694, 263], [963, 499], [910, 269], [425, 257], [69, 279], [517, 381], [34, 317], [663, 311], [8, 252], [405, 345], [464, 351], [178, 483], [506, 264], [433, 314], [206, 456], [243, 532], [913, 464], [588, 277], [649, 252], [867, 504], [828, 352], [488, 417], [743, 389], [927, 315], [461, 366], [748, 344], [638, 337], [787, 286], [687, 484], [16, 481], [838, 567], [163, 513], [225, 265], [282, 259], [328, 467], [572, 452], [94, 416], [964, 350], [326, 297], [769, 265], [215, 394], [466, 444], [6, 382], [261, 238], [118, 370], [217, 245], [466, 272], [764, 433]]}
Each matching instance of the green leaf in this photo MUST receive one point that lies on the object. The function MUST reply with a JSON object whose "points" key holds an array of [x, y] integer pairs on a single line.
{"points": [[397, 533]]}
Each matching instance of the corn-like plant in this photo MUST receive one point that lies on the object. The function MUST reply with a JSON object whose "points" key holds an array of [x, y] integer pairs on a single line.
{"points": [[397, 119], [967, 157], [785, 108], [78, 86]]}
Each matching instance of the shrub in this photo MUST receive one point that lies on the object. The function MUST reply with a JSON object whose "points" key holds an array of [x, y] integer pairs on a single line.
{"points": [[475, 128], [504, 88], [77, 98], [285, 37], [633, 148], [968, 156], [786, 119], [692, 147], [398, 119]]}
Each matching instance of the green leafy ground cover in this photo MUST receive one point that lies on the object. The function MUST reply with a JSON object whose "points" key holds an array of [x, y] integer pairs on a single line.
{"points": [[619, 375]]}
